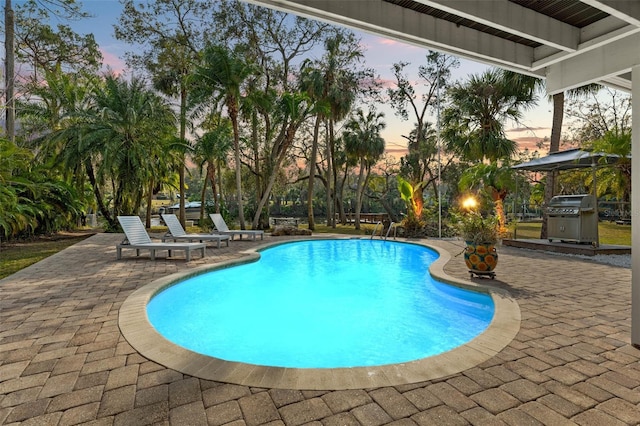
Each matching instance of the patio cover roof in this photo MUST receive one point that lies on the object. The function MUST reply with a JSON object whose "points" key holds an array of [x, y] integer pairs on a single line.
{"points": [[568, 42], [567, 160]]}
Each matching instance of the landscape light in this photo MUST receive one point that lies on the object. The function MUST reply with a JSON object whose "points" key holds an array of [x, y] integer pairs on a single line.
{"points": [[469, 203]]}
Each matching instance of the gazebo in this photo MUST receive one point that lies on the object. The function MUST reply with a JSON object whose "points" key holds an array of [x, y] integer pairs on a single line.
{"points": [[571, 159]]}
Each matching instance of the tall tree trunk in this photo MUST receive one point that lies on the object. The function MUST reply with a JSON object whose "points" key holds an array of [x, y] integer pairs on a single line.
{"points": [[340, 195], [111, 222], [211, 174], [498, 201], [289, 137], [554, 146], [256, 151], [10, 102], [312, 174], [181, 167], [217, 194], [331, 215], [203, 194], [149, 203], [233, 114], [359, 192]]}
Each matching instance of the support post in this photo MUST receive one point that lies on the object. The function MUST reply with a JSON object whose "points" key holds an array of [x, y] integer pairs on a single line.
{"points": [[635, 212], [595, 195]]}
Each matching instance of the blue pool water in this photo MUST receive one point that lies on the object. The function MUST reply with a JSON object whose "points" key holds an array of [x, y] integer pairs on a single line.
{"points": [[322, 304]]}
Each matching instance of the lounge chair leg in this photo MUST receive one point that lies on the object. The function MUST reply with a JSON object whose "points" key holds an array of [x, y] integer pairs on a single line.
{"points": [[152, 254], [118, 253], [187, 254]]}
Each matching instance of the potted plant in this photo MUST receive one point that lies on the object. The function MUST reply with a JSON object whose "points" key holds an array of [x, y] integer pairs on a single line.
{"points": [[480, 235]]}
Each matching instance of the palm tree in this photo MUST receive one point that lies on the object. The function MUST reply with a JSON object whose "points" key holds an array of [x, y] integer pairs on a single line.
{"points": [[170, 76], [474, 128], [474, 123], [496, 180], [122, 142], [223, 73], [364, 143], [312, 81], [131, 129], [211, 150], [617, 142], [332, 85]]}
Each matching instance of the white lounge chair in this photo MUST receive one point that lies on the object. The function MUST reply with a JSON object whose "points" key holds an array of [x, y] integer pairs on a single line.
{"points": [[176, 232], [222, 228], [136, 237]]}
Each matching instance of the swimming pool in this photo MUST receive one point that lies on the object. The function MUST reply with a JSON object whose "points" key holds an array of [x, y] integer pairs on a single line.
{"points": [[143, 337], [322, 304]]}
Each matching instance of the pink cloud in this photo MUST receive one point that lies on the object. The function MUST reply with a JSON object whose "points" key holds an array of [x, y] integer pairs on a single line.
{"points": [[394, 43], [387, 83], [112, 62], [528, 142], [388, 41]]}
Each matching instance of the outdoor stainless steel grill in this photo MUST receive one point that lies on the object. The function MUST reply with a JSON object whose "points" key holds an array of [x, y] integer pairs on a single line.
{"points": [[573, 218]]}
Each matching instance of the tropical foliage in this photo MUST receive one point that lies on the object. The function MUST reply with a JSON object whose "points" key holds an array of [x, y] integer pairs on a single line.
{"points": [[477, 229], [257, 113], [120, 141], [32, 200]]}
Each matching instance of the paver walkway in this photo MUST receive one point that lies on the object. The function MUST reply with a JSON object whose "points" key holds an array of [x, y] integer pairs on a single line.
{"points": [[63, 360]]}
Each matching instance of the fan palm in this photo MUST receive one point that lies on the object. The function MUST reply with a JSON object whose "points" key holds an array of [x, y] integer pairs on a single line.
{"points": [[211, 149], [222, 73], [332, 86], [364, 143], [474, 123]]}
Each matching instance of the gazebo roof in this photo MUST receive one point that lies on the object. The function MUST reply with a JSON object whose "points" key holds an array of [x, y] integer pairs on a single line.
{"points": [[566, 160]]}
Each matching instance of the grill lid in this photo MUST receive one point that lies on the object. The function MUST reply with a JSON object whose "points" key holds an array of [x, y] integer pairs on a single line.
{"points": [[571, 204]]}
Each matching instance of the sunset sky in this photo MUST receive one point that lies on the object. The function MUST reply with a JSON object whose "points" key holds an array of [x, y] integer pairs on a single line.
{"points": [[380, 55]]}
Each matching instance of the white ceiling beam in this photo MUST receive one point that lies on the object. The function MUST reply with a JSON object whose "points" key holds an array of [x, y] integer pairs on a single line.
{"points": [[589, 44], [618, 82], [626, 10], [602, 63], [513, 19], [387, 19]]}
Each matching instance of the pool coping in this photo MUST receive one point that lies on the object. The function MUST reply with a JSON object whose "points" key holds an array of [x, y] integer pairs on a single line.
{"points": [[141, 335]]}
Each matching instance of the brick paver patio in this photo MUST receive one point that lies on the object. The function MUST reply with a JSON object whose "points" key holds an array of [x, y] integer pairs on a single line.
{"points": [[64, 361]]}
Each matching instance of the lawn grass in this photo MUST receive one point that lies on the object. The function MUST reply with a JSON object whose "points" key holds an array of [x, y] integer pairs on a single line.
{"points": [[610, 232], [19, 255]]}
